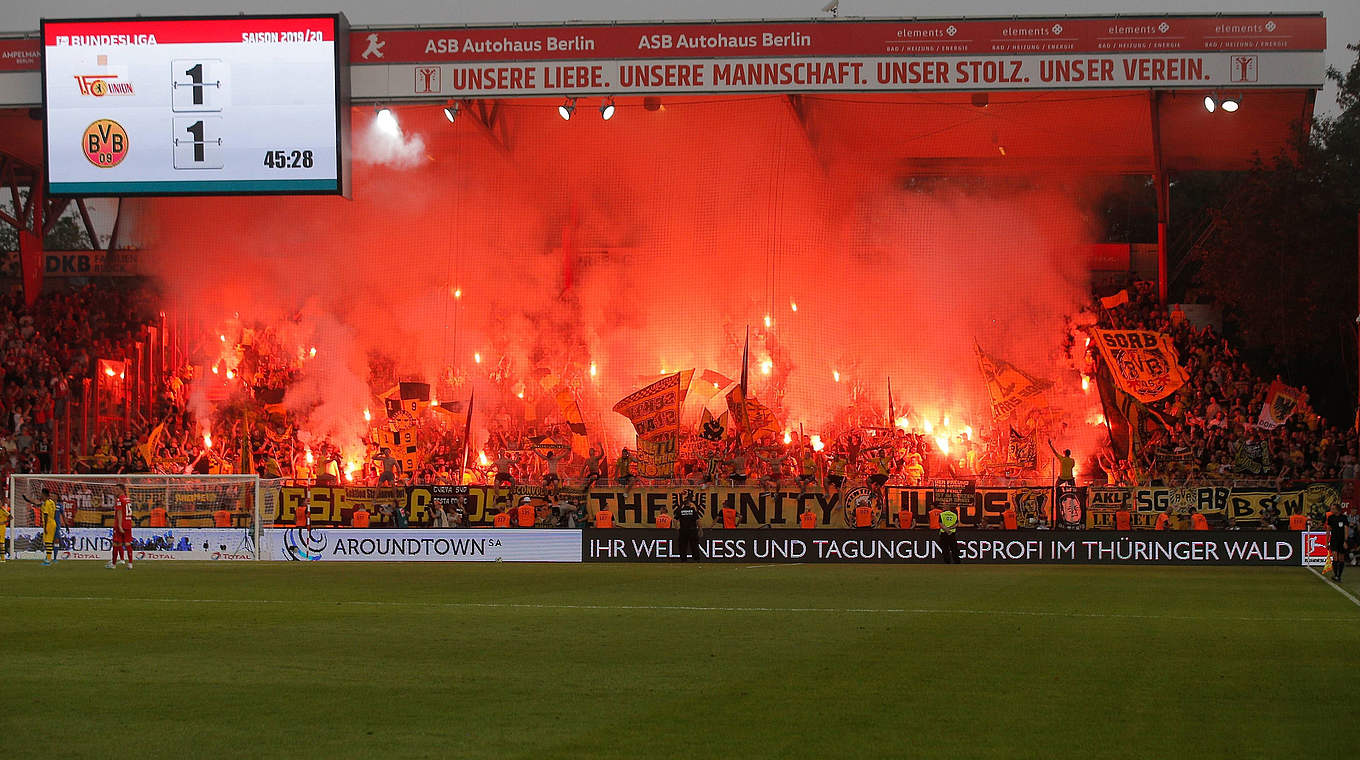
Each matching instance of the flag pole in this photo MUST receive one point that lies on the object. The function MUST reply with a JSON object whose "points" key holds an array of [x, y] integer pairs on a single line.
{"points": [[467, 437], [892, 415], [745, 353]]}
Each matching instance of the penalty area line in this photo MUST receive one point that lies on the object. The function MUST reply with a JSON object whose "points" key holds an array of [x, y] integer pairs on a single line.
{"points": [[673, 608], [1335, 587]]}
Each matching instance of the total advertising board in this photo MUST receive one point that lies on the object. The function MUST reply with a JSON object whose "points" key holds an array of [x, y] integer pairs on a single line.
{"points": [[212, 544]]}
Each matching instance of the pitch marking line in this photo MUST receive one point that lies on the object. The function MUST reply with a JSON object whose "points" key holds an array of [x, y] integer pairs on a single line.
{"points": [[1336, 587], [677, 608]]}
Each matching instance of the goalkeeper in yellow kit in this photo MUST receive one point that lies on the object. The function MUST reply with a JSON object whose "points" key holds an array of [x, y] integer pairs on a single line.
{"points": [[50, 519]]}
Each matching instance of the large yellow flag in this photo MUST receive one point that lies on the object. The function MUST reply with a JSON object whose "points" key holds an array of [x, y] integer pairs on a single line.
{"points": [[1143, 362], [753, 420], [655, 410], [153, 439], [1008, 386]]}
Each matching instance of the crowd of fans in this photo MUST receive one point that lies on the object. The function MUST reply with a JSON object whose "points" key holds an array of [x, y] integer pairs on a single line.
{"points": [[1210, 431], [45, 352], [1213, 427]]}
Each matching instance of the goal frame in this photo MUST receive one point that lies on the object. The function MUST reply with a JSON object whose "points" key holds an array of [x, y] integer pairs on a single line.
{"points": [[254, 481]]}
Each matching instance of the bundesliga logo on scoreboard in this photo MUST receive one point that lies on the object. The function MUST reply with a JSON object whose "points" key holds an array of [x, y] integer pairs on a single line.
{"points": [[100, 85]]}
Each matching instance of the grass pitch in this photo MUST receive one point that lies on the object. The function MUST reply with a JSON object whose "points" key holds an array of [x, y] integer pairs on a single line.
{"points": [[181, 660]]}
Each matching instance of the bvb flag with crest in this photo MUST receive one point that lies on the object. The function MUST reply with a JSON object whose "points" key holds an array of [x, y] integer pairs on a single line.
{"points": [[1008, 386], [1281, 403], [1133, 425], [711, 428], [1143, 363]]}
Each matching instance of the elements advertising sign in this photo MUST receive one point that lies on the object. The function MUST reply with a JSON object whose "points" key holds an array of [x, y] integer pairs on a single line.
{"points": [[194, 105], [1030, 547]]}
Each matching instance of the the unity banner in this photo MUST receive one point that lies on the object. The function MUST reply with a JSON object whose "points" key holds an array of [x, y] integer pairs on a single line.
{"points": [[1144, 363], [755, 507]]}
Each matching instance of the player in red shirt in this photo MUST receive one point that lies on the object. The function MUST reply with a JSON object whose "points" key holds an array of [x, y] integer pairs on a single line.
{"points": [[122, 532]]}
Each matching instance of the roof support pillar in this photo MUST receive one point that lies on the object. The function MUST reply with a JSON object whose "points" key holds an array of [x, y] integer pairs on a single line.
{"points": [[1163, 186]]}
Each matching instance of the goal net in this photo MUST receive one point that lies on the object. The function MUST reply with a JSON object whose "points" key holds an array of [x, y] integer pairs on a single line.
{"points": [[174, 516]]}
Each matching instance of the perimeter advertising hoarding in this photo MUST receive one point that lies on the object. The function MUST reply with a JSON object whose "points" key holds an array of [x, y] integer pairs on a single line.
{"points": [[888, 55], [147, 544], [201, 105], [987, 547], [420, 545]]}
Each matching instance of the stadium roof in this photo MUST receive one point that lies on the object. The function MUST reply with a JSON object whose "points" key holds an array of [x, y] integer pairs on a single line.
{"points": [[1092, 132], [1101, 132]]}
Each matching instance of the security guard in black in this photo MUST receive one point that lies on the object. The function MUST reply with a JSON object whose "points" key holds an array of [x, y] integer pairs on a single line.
{"points": [[687, 518]]}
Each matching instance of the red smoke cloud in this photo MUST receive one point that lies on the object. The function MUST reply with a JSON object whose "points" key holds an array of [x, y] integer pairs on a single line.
{"points": [[644, 244]]}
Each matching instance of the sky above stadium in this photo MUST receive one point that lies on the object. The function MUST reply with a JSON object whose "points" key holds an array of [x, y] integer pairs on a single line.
{"points": [[1343, 16]]}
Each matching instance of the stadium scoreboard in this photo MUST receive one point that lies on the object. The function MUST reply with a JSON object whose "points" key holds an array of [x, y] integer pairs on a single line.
{"points": [[196, 106]]}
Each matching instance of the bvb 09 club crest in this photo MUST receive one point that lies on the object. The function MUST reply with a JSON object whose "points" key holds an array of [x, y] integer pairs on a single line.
{"points": [[105, 143]]}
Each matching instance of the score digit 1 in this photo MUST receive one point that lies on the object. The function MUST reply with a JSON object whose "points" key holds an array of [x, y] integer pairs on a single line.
{"points": [[198, 142], [196, 84]]}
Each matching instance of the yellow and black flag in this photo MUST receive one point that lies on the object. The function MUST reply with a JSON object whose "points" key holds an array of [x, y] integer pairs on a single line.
{"points": [[1007, 386]]}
